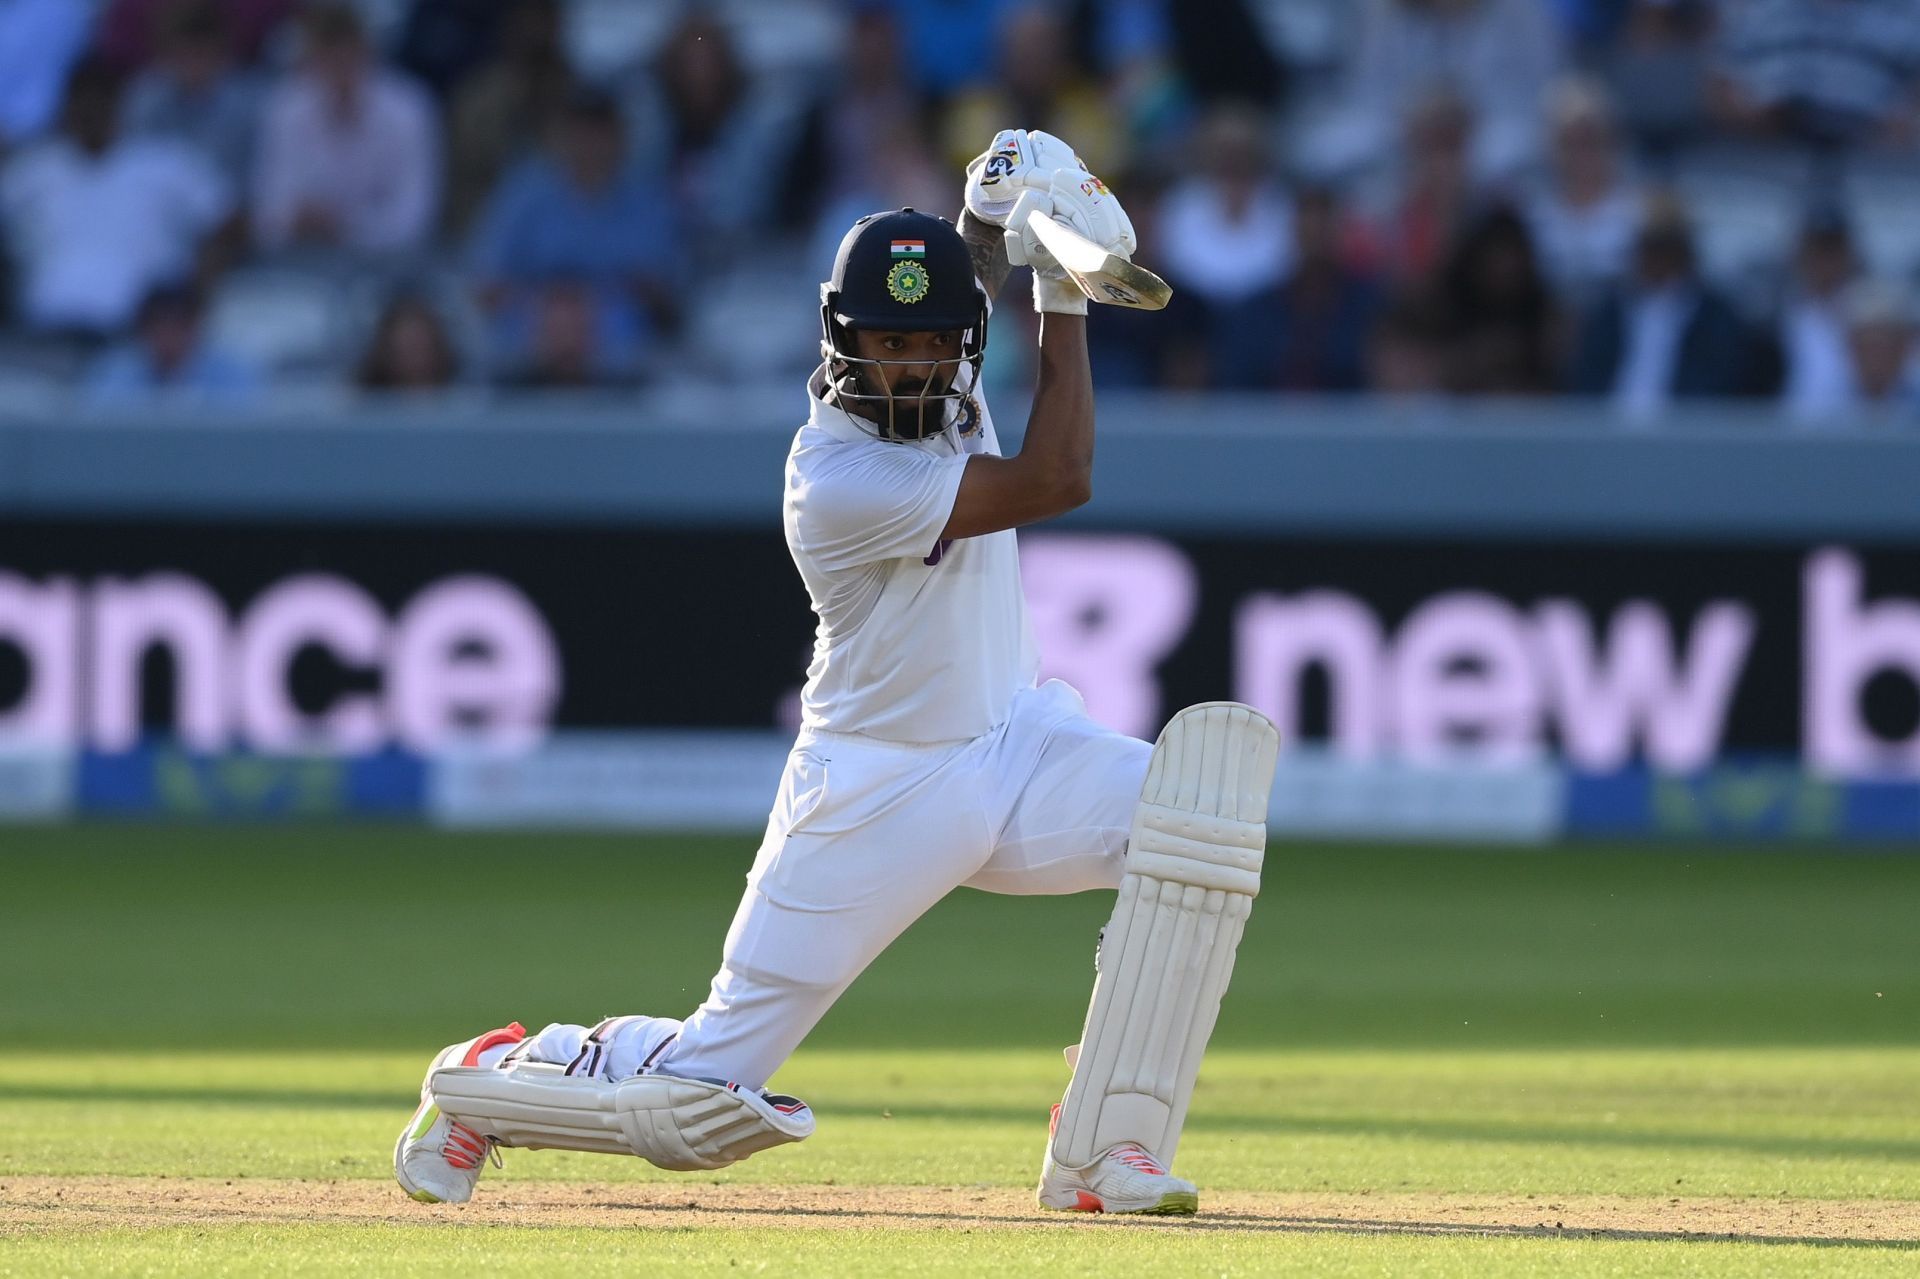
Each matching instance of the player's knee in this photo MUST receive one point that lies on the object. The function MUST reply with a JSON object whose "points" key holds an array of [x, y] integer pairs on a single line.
{"points": [[615, 1048]]}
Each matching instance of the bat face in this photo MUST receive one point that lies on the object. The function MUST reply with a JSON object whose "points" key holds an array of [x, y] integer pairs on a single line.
{"points": [[1103, 276]]}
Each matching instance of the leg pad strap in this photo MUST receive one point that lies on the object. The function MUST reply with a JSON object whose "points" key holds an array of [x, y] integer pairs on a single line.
{"points": [[674, 1123]]}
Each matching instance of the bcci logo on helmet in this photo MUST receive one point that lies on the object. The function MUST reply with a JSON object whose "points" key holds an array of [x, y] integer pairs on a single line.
{"points": [[907, 282]]}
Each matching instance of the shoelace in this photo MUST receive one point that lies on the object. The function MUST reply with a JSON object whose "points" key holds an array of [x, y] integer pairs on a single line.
{"points": [[464, 1148], [1136, 1158]]}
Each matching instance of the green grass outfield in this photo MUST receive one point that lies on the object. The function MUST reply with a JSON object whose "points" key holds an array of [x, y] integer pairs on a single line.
{"points": [[1596, 1061]]}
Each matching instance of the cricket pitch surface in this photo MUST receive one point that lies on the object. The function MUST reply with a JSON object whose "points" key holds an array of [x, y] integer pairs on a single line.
{"points": [[79, 1203]]}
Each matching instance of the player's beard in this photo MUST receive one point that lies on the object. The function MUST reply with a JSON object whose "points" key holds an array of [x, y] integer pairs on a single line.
{"points": [[912, 418], [902, 413]]}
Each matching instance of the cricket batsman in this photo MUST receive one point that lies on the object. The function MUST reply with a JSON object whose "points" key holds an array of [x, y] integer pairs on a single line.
{"points": [[928, 757]]}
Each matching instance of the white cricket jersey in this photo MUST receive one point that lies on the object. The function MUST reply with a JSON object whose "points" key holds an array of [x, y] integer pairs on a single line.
{"points": [[919, 640]]}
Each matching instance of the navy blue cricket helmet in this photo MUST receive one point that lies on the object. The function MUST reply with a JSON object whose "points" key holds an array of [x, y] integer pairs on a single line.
{"points": [[902, 272]]}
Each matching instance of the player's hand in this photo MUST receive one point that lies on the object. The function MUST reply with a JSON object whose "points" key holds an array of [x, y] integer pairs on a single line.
{"points": [[1053, 290], [1017, 160], [1083, 202]]}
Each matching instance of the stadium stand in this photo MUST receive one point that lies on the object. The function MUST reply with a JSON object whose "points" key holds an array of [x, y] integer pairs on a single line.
{"points": [[763, 125]]}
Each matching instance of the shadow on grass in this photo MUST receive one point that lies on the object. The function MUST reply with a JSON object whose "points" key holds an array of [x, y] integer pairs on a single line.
{"points": [[1457, 1130], [1286, 1223]]}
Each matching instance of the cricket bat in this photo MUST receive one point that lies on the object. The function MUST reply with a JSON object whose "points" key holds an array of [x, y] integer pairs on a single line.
{"points": [[1102, 275]]}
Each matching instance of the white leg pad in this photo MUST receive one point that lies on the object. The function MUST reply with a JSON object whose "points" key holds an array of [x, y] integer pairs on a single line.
{"points": [[1192, 871], [673, 1123]]}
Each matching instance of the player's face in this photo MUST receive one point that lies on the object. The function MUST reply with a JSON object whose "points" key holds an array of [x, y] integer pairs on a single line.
{"points": [[914, 368]]}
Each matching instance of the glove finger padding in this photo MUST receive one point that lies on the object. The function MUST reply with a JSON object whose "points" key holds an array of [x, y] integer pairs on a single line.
{"points": [[994, 178], [1049, 153], [1016, 160]]}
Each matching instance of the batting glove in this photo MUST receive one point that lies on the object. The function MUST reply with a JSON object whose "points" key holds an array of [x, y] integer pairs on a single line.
{"points": [[1017, 160]]}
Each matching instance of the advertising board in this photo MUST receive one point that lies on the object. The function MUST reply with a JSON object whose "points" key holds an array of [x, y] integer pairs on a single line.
{"points": [[1494, 686], [345, 639]]}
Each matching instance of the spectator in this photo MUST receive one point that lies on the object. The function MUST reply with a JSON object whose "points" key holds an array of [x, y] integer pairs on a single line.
{"points": [[98, 220], [1497, 55], [1813, 325], [1584, 219], [871, 94], [503, 109], [349, 152], [1658, 70], [1503, 324], [725, 145], [1435, 195], [579, 212], [1039, 86], [410, 350], [1665, 334], [568, 349], [1312, 334], [1226, 232], [1829, 72], [1225, 238], [39, 41], [169, 358], [1880, 333], [895, 171], [193, 92], [129, 30]]}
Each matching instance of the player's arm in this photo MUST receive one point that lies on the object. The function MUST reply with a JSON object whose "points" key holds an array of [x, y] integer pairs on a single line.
{"points": [[1053, 471], [987, 243]]}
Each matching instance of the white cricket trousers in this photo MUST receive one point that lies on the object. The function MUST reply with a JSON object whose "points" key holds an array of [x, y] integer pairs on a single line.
{"points": [[864, 837]]}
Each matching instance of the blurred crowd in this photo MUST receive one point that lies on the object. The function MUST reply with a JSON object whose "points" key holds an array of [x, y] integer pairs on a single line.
{"points": [[1638, 201]]}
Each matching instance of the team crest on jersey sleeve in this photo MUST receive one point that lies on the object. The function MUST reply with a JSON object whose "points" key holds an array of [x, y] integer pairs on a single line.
{"points": [[966, 418]]}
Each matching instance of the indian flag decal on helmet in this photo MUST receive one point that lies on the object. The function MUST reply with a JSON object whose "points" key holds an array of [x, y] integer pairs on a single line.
{"points": [[909, 248], [907, 280]]}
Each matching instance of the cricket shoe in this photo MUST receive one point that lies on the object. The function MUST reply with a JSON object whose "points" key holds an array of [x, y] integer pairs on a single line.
{"points": [[438, 1159], [1123, 1179]]}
